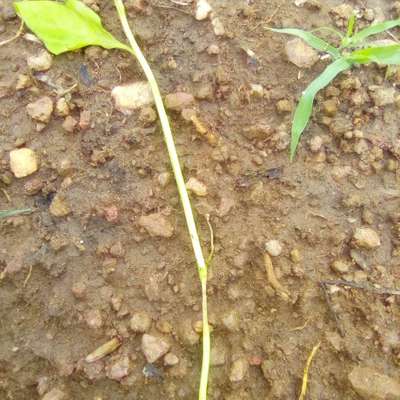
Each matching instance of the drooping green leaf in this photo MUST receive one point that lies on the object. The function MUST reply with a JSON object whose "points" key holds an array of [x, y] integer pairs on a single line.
{"points": [[312, 40], [13, 213], [304, 108], [374, 29], [381, 55], [65, 26]]}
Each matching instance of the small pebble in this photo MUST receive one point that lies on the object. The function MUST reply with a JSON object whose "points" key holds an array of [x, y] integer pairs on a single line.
{"points": [[295, 256], [153, 347], [171, 359], [62, 108], [218, 27], [23, 162], [156, 225], [69, 124], [382, 96], [371, 384], [197, 187], [178, 101], [140, 322], [111, 214], [213, 49], [147, 116], [85, 118], [59, 206], [366, 238], [274, 248], [164, 178], [40, 62], [284, 106], [340, 266], [301, 54], [23, 82], [119, 369], [79, 289], [330, 107], [55, 394], [203, 9], [316, 143], [132, 96], [41, 109], [231, 321], [33, 186], [239, 370], [94, 319]]}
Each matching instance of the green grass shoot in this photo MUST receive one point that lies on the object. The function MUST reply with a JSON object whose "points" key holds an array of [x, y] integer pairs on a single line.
{"points": [[353, 50], [13, 213], [71, 25]]}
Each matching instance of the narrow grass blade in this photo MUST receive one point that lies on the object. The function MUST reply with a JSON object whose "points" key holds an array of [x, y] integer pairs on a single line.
{"points": [[306, 372], [351, 26], [381, 55], [180, 182], [304, 108], [13, 213], [373, 30], [312, 40]]}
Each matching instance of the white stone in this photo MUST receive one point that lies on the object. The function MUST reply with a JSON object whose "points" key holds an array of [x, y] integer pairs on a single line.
{"points": [[197, 187], [23, 162], [366, 238], [274, 248], [218, 27], [132, 96], [203, 10], [40, 62]]}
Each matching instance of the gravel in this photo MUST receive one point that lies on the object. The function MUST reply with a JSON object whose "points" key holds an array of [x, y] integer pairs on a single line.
{"points": [[301, 54], [23, 162], [154, 348], [373, 385]]}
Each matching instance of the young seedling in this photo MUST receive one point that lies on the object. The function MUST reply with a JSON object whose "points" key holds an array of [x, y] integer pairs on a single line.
{"points": [[72, 25], [353, 50]]}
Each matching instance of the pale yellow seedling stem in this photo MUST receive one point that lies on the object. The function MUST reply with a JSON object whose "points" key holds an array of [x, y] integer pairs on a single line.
{"points": [[180, 182]]}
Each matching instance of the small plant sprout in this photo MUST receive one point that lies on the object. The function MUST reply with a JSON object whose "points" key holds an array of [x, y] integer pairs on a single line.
{"points": [[71, 25], [353, 50]]}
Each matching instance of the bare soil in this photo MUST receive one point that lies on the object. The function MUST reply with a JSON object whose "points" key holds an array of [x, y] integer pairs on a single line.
{"points": [[69, 284]]}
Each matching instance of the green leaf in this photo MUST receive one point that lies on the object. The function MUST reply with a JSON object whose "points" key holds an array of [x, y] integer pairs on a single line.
{"points": [[350, 26], [380, 55], [12, 213], [65, 26], [304, 108], [373, 30], [312, 40]]}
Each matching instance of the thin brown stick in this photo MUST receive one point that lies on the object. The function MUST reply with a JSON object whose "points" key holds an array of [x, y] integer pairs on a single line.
{"points": [[211, 255], [17, 35], [6, 195], [28, 276], [392, 292]]}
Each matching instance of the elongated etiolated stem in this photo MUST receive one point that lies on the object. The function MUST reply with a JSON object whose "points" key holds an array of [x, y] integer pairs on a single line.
{"points": [[180, 182]]}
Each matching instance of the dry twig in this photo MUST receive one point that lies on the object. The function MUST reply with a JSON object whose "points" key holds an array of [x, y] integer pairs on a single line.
{"points": [[17, 35], [391, 292]]}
